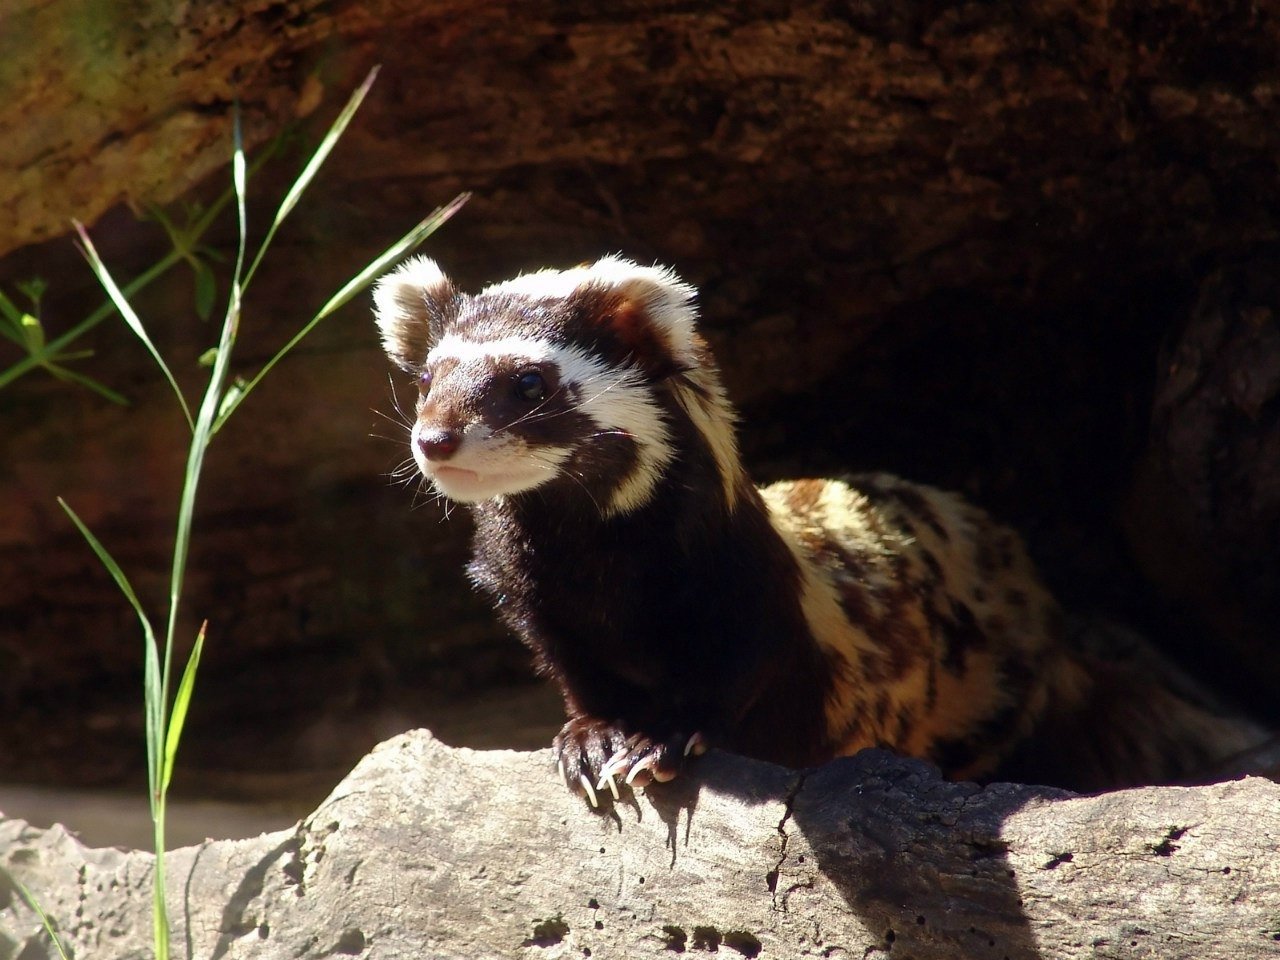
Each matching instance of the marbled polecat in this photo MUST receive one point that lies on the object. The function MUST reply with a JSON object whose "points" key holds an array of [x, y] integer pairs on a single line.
{"points": [[581, 417]]}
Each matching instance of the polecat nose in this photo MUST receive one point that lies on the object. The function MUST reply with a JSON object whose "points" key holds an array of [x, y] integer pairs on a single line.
{"points": [[439, 444]]}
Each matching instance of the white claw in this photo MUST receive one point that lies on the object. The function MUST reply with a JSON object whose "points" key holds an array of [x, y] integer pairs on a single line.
{"points": [[591, 792], [614, 763], [695, 745], [607, 780], [564, 775], [644, 764]]}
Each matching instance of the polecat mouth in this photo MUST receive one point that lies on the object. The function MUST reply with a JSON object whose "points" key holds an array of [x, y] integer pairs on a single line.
{"points": [[452, 474], [470, 486]]}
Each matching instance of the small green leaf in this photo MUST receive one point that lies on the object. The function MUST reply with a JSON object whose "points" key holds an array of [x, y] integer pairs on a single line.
{"points": [[231, 399], [181, 702], [209, 357], [112, 567]]}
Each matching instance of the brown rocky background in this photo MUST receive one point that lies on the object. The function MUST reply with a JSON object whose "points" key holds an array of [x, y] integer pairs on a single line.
{"points": [[1022, 250]]}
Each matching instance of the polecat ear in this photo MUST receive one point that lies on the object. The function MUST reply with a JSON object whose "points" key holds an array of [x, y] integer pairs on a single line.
{"points": [[412, 305], [650, 310]]}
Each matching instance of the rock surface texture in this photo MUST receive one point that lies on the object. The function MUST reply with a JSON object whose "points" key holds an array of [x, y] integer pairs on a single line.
{"points": [[424, 851]]}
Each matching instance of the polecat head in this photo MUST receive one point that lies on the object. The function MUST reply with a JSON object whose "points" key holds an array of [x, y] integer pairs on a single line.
{"points": [[574, 377]]}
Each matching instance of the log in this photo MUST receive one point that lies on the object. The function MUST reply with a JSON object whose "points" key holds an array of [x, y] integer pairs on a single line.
{"points": [[427, 851]]}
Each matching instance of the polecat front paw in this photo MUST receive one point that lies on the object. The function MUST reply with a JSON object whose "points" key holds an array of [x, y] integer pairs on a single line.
{"points": [[641, 760], [582, 748], [593, 755]]}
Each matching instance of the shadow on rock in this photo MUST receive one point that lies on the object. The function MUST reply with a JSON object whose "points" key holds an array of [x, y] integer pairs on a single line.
{"points": [[919, 861]]}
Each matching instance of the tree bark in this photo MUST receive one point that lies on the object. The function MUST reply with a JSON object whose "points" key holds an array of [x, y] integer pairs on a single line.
{"points": [[426, 851]]}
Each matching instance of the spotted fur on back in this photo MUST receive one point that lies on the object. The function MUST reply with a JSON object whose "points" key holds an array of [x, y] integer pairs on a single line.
{"points": [[581, 417], [937, 629]]}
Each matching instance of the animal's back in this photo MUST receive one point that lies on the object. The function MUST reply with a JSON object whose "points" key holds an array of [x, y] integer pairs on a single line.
{"points": [[953, 649]]}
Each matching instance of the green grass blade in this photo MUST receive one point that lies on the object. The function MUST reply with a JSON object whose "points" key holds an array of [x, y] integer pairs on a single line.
{"points": [[159, 905], [34, 904], [407, 243], [201, 433], [126, 310], [151, 666], [181, 701], [330, 140], [303, 180], [113, 568]]}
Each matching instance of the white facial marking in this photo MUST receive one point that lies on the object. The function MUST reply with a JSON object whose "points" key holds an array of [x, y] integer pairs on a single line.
{"points": [[455, 347], [615, 400], [667, 299], [488, 465]]}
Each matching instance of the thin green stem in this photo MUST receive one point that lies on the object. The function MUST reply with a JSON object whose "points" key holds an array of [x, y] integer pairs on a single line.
{"points": [[159, 907], [203, 428]]}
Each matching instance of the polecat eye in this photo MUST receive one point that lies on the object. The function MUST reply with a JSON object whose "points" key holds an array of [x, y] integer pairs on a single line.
{"points": [[424, 382], [531, 386]]}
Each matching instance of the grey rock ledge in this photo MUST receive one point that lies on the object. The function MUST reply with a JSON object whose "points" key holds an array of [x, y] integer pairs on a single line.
{"points": [[425, 851]]}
